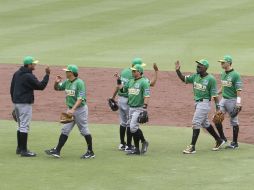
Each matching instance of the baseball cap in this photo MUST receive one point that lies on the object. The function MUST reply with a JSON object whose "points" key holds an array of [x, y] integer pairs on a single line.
{"points": [[138, 68], [226, 58], [71, 68], [138, 61], [28, 60], [203, 62]]}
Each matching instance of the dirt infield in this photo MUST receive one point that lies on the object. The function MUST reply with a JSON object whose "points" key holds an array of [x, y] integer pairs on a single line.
{"points": [[171, 101]]}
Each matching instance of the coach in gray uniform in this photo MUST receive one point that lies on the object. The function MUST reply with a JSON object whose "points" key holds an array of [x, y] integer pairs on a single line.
{"points": [[22, 89]]}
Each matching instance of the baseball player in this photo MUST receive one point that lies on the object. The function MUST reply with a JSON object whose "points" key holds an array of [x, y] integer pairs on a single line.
{"points": [[205, 89], [125, 76], [75, 91], [231, 88], [22, 89], [138, 96]]}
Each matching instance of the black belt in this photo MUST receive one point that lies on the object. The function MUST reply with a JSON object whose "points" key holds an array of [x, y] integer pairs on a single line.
{"points": [[201, 100]]}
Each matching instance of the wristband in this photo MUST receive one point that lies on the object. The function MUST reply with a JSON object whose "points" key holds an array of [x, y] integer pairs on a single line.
{"points": [[217, 106], [238, 100]]}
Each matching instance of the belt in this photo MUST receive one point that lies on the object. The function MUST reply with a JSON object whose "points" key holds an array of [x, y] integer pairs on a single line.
{"points": [[202, 100], [77, 107]]}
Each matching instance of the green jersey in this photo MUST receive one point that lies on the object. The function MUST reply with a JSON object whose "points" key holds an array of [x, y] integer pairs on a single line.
{"points": [[125, 76], [231, 83], [74, 90], [203, 88], [137, 91]]}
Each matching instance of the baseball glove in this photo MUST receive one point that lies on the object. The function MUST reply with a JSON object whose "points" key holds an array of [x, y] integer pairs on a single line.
{"points": [[143, 117], [13, 113], [218, 117], [235, 111], [66, 118], [112, 104]]}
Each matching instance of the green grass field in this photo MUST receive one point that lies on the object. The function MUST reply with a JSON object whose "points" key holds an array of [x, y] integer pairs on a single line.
{"points": [[110, 33], [164, 166]]}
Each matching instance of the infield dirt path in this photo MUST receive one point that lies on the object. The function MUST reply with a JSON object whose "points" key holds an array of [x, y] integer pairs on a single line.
{"points": [[171, 101]]}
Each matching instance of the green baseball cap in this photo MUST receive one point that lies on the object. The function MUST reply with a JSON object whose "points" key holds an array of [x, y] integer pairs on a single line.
{"points": [[203, 62], [226, 58], [138, 68], [138, 61], [71, 68], [28, 60]]}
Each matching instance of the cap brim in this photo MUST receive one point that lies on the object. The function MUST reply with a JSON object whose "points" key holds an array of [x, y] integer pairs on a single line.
{"points": [[143, 64], [133, 69], [35, 62], [65, 69], [199, 62], [222, 61]]}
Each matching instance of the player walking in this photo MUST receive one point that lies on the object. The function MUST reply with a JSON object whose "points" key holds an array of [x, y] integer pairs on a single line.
{"points": [[76, 102], [126, 76], [205, 89], [22, 89], [231, 88], [138, 96]]}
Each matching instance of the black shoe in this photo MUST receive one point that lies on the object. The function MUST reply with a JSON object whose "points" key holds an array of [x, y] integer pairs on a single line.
{"points": [[53, 152], [144, 147], [233, 145], [122, 147], [27, 153], [135, 152], [18, 150], [129, 148], [190, 149], [218, 145], [88, 154]]}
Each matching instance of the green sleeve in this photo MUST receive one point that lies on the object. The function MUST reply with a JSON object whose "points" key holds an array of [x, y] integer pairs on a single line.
{"points": [[238, 82], [81, 90], [213, 88], [62, 85], [189, 78], [146, 89]]}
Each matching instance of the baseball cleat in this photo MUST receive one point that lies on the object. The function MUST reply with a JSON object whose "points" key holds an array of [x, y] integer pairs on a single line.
{"points": [[53, 152], [189, 150], [134, 152], [218, 145], [144, 147], [88, 154], [27, 153], [122, 147], [128, 149], [232, 145]]}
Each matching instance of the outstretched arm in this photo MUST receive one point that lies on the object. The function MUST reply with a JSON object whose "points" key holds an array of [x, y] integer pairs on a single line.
{"points": [[155, 76], [179, 74]]}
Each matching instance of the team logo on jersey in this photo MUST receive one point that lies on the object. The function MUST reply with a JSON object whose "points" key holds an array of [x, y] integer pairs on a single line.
{"points": [[133, 91], [205, 82], [136, 85], [70, 92], [226, 83], [229, 78], [199, 86]]}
